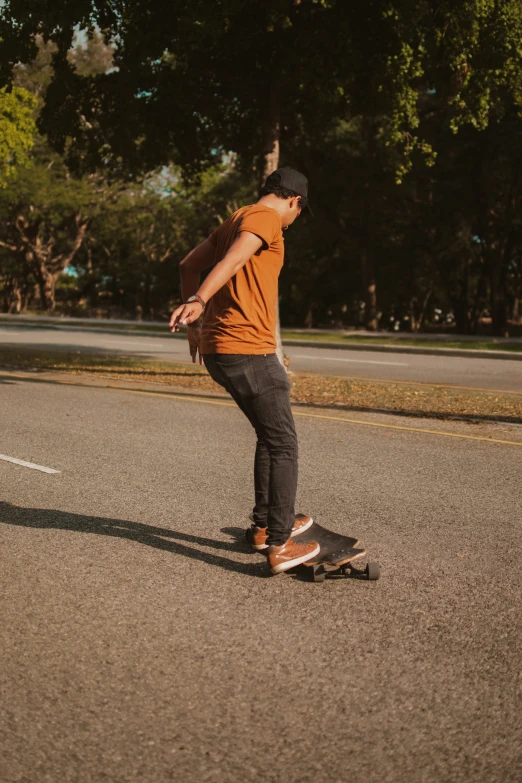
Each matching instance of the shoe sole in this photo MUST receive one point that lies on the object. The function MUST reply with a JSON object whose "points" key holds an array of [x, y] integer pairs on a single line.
{"points": [[260, 547], [278, 569], [303, 528]]}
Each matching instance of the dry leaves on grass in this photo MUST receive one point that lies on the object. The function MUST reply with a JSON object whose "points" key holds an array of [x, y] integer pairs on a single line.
{"points": [[434, 401], [425, 401]]}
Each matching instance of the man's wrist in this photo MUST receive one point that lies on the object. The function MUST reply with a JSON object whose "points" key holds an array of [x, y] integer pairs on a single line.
{"points": [[196, 298]]}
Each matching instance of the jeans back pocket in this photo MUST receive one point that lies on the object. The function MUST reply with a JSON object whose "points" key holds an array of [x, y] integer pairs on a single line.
{"points": [[240, 373]]}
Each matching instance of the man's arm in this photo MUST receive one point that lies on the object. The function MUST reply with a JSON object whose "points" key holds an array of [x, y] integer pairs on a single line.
{"points": [[241, 250], [192, 265]]}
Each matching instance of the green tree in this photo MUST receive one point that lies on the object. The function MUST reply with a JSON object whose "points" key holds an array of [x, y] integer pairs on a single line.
{"points": [[295, 64], [42, 219], [271, 82], [44, 216], [17, 130]]}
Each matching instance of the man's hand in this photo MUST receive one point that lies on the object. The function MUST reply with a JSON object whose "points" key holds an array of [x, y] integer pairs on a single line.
{"points": [[185, 315], [194, 338]]}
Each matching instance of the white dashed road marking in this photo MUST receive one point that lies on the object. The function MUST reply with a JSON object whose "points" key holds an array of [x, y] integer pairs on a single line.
{"points": [[356, 361], [29, 464]]}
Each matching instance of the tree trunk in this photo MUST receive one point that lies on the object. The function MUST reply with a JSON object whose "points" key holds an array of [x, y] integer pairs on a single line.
{"points": [[422, 315], [497, 292], [271, 155], [44, 279], [499, 312], [271, 142], [269, 163], [90, 286], [476, 309], [366, 228], [309, 318], [370, 291], [27, 292], [461, 303], [47, 285], [462, 319], [15, 298]]}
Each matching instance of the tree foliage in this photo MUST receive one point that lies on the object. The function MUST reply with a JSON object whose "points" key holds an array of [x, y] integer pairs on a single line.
{"points": [[193, 78], [17, 130], [405, 115]]}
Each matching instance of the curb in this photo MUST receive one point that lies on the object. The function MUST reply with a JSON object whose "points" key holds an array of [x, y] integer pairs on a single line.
{"points": [[93, 330]]}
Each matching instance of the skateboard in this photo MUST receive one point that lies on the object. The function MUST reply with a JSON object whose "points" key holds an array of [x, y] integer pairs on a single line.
{"points": [[335, 558]]}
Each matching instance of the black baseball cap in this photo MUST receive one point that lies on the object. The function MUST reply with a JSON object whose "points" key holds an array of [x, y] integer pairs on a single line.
{"points": [[291, 180]]}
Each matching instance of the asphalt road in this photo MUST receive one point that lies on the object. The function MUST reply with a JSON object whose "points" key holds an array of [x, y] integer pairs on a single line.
{"points": [[504, 375], [142, 642]]}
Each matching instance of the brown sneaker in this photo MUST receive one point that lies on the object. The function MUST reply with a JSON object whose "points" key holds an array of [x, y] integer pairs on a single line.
{"points": [[260, 535], [290, 554]]}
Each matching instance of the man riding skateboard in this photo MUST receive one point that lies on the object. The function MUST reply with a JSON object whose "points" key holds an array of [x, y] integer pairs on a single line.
{"points": [[236, 340]]}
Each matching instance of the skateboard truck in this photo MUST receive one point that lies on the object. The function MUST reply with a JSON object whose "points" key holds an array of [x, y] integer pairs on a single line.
{"points": [[320, 572]]}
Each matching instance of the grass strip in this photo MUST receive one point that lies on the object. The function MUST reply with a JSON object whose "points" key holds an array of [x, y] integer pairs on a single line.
{"points": [[475, 345], [318, 390]]}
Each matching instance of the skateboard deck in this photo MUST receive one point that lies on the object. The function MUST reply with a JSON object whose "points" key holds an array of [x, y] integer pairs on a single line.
{"points": [[335, 548]]}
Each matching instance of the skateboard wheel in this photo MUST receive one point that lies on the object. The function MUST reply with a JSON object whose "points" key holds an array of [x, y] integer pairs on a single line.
{"points": [[372, 571], [318, 573]]}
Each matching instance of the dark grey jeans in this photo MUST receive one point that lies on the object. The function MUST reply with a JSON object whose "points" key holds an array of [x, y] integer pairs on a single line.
{"points": [[260, 387]]}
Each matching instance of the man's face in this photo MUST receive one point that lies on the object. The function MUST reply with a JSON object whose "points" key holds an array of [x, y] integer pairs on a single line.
{"points": [[293, 210]]}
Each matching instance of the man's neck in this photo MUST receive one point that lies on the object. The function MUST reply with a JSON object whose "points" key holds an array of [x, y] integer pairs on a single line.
{"points": [[275, 203]]}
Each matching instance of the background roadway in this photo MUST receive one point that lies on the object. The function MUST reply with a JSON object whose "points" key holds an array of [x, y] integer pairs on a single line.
{"points": [[498, 374]]}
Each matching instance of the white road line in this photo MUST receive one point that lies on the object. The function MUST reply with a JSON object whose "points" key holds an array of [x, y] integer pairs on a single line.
{"points": [[29, 464], [356, 361]]}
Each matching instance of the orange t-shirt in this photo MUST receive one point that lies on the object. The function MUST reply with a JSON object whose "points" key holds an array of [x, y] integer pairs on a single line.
{"points": [[241, 316]]}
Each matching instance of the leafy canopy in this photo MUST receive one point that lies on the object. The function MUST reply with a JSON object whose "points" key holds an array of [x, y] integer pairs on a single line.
{"points": [[17, 130], [193, 78]]}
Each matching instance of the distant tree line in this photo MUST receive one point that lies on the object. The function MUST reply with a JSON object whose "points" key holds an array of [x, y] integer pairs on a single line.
{"points": [[158, 121]]}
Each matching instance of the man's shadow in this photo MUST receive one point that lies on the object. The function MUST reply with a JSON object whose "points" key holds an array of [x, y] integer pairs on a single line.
{"points": [[140, 533]]}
